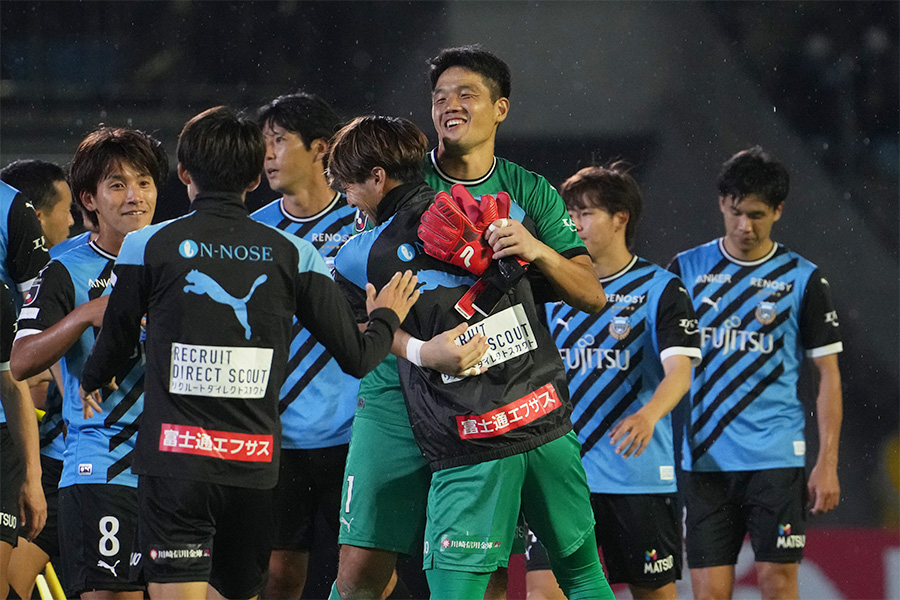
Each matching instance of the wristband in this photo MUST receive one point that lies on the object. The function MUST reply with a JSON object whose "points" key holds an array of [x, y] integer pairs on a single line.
{"points": [[414, 351]]}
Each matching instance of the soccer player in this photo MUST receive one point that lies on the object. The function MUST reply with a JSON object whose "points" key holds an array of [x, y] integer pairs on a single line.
{"points": [[496, 442], [219, 291], [115, 174], [23, 251], [470, 98], [23, 509], [44, 184], [761, 308], [317, 399], [627, 367]]}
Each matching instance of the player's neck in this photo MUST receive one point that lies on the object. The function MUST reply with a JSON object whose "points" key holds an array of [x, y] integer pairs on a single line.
{"points": [[109, 241], [309, 200], [761, 250], [472, 163], [611, 261]]}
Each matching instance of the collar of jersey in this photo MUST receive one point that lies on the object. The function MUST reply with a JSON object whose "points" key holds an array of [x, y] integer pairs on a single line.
{"points": [[314, 217], [226, 201], [437, 168], [101, 251], [621, 271], [747, 263], [396, 198]]}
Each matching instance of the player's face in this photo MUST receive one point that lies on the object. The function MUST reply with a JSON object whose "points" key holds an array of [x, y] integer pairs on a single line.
{"points": [[56, 220], [748, 225], [364, 196], [124, 202], [289, 165], [597, 229], [463, 114]]}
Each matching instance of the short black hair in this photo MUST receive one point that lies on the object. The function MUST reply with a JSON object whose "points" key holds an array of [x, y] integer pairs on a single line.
{"points": [[610, 188], [104, 149], [754, 171], [222, 149], [494, 71], [394, 144], [35, 179], [307, 115]]}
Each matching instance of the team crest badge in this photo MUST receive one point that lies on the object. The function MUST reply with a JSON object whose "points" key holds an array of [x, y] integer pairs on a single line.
{"points": [[32, 292], [766, 312], [620, 327]]}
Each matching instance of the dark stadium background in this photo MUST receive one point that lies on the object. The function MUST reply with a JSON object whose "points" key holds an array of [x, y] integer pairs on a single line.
{"points": [[674, 88]]}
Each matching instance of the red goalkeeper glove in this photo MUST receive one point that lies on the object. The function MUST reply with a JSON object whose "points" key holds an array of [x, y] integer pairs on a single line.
{"points": [[452, 228]]}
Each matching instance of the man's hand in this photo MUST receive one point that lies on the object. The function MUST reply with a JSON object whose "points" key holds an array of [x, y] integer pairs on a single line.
{"points": [[92, 311], [32, 508], [451, 235], [632, 434], [441, 353], [90, 401], [399, 294], [509, 237], [824, 489]]}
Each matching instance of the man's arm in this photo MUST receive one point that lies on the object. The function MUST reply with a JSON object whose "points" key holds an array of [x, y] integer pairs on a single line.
{"points": [[824, 489], [35, 353], [441, 352], [572, 278], [633, 433], [22, 422]]}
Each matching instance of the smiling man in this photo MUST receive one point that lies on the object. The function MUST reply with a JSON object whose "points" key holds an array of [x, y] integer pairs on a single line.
{"points": [[115, 174], [761, 309], [469, 101]]}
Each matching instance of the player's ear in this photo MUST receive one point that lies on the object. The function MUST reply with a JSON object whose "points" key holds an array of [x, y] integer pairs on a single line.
{"points": [[183, 175], [501, 106], [778, 210], [622, 217], [320, 147], [254, 184], [87, 200]]}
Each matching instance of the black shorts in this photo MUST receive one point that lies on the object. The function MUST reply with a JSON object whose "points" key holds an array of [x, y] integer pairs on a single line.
{"points": [[640, 536], [197, 531], [48, 539], [722, 507], [98, 523], [309, 484], [12, 472]]}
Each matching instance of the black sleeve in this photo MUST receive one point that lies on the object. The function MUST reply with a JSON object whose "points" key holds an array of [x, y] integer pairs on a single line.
{"points": [[51, 297], [121, 328], [676, 322], [818, 318], [354, 295], [323, 310], [26, 254], [7, 324]]}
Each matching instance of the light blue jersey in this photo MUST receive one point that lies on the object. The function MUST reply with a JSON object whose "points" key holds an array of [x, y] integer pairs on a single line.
{"points": [[613, 365], [757, 321], [97, 450], [317, 399]]}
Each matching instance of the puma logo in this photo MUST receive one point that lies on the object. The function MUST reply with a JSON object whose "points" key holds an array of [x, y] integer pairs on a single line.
{"points": [[564, 323], [714, 304], [201, 283], [112, 568], [346, 523]]}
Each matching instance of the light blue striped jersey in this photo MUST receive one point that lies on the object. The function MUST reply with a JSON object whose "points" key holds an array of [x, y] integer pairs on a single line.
{"points": [[757, 321], [97, 450], [613, 365], [317, 399]]}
